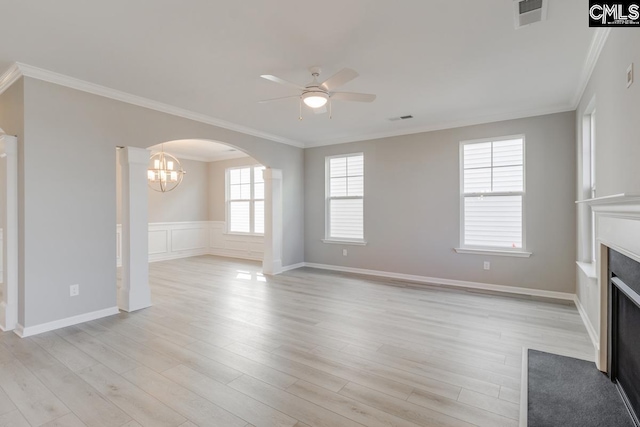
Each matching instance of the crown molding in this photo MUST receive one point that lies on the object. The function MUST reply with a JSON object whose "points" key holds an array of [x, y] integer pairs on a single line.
{"points": [[18, 70], [9, 77], [446, 125], [597, 43]]}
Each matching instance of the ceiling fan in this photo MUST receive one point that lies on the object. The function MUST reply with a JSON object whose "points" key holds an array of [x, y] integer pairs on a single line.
{"points": [[316, 95]]}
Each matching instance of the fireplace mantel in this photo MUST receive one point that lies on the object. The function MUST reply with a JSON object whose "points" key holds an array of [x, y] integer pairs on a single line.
{"points": [[617, 227]]}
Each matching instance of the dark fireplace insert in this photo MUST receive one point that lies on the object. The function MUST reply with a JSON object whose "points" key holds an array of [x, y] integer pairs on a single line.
{"points": [[624, 329]]}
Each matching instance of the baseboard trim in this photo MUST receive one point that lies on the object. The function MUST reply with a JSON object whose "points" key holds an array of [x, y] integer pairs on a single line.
{"points": [[28, 331], [587, 323], [293, 266], [448, 282], [231, 254]]}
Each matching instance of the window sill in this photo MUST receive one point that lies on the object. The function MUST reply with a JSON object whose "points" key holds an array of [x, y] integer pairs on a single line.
{"points": [[345, 242], [243, 234], [496, 252], [588, 268]]}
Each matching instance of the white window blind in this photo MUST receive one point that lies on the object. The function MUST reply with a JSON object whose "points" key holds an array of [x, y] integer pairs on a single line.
{"points": [[493, 193], [245, 200], [345, 197]]}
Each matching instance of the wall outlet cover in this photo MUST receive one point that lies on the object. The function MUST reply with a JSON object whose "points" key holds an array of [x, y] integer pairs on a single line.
{"points": [[74, 290], [487, 265], [630, 75]]}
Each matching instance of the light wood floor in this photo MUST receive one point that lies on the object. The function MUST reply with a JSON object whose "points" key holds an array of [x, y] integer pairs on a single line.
{"points": [[225, 346]]}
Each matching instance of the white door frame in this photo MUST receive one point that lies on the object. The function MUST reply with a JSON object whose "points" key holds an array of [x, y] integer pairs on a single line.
{"points": [[9, 303]]}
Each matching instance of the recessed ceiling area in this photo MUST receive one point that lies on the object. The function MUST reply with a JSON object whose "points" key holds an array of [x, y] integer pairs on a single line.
{"points": [[198, 149], [446, 63]]}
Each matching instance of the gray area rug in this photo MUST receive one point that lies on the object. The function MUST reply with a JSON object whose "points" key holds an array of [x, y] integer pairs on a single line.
{"points": [[569, 392]]}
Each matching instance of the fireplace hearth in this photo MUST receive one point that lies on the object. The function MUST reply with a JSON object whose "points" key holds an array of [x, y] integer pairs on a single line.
{"points": [[624, 329]]}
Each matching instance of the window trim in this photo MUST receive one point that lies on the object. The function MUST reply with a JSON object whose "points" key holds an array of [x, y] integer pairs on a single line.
{"points": [[493, 250], [251, 200], [327, 198]]}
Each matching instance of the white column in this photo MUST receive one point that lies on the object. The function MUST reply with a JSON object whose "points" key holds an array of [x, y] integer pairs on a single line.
{"points": [[9, 304], [134, 293], [272, 261]]}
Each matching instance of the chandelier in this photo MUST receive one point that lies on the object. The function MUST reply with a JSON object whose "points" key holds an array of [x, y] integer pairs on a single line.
{"points": [[165, 172]]}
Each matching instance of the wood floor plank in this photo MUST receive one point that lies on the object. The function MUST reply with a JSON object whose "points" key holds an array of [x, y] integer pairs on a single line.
{"points": [[69, 355], [385, 385], [417, 414], [69, 420], [31, 397], [243, 364], [141, 406], [237, 403], [489, 403], [203, 364], [347, 407], [187, 403], [288, 366], [225, 345], [105, 354], [13, 419], [298, 408], [83, 399]]}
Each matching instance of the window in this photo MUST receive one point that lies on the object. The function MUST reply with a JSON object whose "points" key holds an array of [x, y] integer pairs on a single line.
{"points": [[588, 185], [592, 179], [492, 195], [345, 197], [245, 200]]}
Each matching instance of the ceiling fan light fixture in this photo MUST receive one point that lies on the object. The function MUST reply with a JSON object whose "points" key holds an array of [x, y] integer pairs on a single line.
{"points": [[315, 99]]}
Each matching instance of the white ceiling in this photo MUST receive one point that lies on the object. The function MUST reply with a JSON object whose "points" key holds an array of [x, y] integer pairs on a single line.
{"points": [[445, 62], [198, 149]]}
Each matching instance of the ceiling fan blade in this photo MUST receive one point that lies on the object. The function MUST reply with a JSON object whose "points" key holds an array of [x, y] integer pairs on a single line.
{"points": [[320, 110], [338, 79], [264, 101], [282, 82], [351, 96]]}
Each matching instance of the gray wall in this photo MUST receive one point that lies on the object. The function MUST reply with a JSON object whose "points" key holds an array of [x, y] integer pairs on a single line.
{"points": [[187, 202], [617, 134], [414, 231], [12, 122], [69, 213], [217, 211]]}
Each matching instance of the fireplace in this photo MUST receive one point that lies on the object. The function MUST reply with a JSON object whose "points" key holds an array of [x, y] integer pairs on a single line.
{"points": [[624, 329]]}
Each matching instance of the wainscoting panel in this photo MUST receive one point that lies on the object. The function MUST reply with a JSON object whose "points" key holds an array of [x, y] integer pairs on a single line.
{"points": [[190, 239], [158, 242], [173, 240]]}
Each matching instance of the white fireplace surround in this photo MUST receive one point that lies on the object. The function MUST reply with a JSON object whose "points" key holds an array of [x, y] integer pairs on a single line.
{"points": [[618, 228]]}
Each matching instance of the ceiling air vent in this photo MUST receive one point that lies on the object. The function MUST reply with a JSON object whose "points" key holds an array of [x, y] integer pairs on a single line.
{"points": [[394, 119], [528, 12]]}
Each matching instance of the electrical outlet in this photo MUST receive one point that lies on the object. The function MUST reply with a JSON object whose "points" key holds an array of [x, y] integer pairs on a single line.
{"points": [[630, 75], [74, 290], [487, 265], [344, 252]]}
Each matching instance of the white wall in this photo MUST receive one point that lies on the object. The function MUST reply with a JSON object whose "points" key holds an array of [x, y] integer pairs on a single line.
{"points": [[412, 213], [617, 136], [77, 205]]}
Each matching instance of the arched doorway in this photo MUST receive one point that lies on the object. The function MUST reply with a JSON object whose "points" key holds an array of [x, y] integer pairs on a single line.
{"points": [[139, 242]]}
